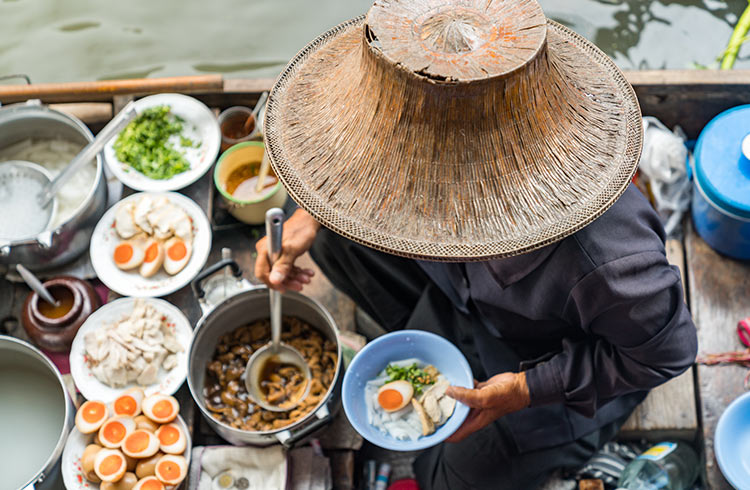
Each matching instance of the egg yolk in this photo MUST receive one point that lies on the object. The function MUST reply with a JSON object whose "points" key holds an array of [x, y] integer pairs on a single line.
{"points": [[152, 485], [168, 470], [93, 412], [114, 432], [137, 442], [390, 399], [111, 464], [125, 405], [169, 435], [162, 409], [152, 252], [123, 253], [178, 251]]}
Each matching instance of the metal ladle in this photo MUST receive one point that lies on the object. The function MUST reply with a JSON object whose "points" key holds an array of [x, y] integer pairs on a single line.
{"points": [[11, 172], [275, 351]]}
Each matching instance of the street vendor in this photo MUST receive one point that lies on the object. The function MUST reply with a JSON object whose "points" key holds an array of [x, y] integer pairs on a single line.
{"points": [[465, 169]]}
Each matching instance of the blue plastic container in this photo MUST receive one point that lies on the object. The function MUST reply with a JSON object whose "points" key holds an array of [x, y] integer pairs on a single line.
{"points": [[721, 183], [732, 442]]}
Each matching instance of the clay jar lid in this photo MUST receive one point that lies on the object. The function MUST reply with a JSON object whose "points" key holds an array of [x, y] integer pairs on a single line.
{"points": [[55, 328]]}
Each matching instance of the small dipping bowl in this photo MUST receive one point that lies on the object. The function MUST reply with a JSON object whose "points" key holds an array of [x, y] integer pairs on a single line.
{"points": [[54, 328], [252, 212], [232, 123]]}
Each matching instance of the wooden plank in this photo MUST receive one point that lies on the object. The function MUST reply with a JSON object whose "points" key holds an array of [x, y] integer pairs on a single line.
{"points": [[689, 98], [105, 90], [719, 291], [670, 409], [91, 113]]}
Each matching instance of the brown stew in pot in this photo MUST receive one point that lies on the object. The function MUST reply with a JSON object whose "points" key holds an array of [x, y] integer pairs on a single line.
{"points": [[225, 394]]}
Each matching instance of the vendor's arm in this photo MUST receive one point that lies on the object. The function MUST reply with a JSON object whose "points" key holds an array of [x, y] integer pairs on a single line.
{"points": [[639, 334], [299, 234]]}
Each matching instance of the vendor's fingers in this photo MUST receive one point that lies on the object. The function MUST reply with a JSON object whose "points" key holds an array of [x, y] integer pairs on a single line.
{"points": [[281, 270], [473, 398]]}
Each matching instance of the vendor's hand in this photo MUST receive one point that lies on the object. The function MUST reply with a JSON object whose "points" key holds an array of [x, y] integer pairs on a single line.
{"points": [[498, 396], [299, 234]]}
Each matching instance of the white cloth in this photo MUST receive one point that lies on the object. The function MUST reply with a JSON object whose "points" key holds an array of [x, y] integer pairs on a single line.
{"points": [[264, 468]]}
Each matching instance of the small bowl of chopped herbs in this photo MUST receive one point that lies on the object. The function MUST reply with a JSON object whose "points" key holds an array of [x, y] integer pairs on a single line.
{"points": [[172, 142]]}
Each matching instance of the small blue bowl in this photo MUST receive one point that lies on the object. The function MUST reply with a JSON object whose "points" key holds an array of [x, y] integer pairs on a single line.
{"points": [[732, 442], [396, 346]]}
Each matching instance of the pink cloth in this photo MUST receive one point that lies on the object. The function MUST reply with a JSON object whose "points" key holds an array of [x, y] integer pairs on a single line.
{"points": [[405, 484]]}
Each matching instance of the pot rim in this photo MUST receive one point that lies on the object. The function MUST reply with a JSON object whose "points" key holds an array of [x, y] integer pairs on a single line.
{"points": [[57, 452], [198, 397], [45, 111]]}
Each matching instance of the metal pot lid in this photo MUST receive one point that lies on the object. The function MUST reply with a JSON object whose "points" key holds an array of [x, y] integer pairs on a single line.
{"points": [[722, 161]]}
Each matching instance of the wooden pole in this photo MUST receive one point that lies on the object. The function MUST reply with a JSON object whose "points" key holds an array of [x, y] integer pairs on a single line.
{"points": [[105, 90]]}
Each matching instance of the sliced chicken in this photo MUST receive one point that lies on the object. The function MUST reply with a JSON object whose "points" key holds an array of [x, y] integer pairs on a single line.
{"points": [[132, 349], [124, 222], [447, 405], [142, 209], [428, 426]]}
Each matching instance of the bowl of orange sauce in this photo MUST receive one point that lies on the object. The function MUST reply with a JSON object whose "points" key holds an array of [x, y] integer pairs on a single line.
{"points": [[236, 178]]}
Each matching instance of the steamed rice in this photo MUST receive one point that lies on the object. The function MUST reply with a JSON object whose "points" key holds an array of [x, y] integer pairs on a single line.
{"points": [[54, 155]]}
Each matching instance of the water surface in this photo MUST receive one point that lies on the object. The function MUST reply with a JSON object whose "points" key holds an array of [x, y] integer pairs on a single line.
{"points": [[71, 40]]}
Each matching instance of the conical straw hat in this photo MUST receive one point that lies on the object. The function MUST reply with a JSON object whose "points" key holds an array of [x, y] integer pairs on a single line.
{"points": [[456, 131]]}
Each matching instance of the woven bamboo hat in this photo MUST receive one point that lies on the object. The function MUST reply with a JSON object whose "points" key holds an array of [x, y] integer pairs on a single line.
{"points": [[453, 130]]}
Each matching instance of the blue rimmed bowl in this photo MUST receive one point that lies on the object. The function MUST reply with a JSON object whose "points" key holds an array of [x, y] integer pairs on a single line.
{"points": [[732, 442], [396, 346]]}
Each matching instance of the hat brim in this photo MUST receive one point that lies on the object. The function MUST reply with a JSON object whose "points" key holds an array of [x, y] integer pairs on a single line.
{"points": [[350, 187]]}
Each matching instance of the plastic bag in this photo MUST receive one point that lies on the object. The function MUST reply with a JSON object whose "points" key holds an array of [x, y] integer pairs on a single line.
{"points": [[664, 167]]}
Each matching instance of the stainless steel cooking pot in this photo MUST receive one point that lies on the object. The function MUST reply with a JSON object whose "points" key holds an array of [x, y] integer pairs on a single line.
{"points": [[249, 305], [36, 416], [52, 248]]}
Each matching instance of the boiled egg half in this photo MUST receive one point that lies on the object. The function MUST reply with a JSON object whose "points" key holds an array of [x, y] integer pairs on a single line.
{"points": [[171, 439], [171, 469], [128, 254], [110, 465], [149, 483], [115, 430], [395, 395], [177, 256], [91, 416], [129, 403], [160, 408], [140, 444], [153, 259]]}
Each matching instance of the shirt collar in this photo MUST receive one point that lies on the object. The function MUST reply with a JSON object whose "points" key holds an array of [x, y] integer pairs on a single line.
{"points": [[510, 270]]}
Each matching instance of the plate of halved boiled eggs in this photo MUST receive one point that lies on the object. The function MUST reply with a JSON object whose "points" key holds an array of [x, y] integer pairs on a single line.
{"points": [[135, 442], [150, 244]]}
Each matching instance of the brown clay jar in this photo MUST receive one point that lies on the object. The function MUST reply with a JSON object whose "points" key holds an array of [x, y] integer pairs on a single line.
{"points": [[53, 328]]}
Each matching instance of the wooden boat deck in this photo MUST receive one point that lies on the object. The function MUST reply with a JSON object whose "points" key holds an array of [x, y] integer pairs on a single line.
{"points": [[717, 288]]}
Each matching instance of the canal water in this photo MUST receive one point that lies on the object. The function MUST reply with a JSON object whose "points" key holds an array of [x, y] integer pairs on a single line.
{"points": [[72, 40]]}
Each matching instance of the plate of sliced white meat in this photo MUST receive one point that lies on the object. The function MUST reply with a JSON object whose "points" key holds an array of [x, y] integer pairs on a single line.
{"points": [[150, 244], [131, 342]]}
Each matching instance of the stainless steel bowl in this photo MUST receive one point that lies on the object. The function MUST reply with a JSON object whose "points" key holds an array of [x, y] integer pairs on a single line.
{"points": [[52, 248], [38, 412], [241, 309]]}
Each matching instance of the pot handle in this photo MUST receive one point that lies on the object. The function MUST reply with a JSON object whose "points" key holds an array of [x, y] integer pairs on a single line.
{"points": [[290, 440], [197, 284]]}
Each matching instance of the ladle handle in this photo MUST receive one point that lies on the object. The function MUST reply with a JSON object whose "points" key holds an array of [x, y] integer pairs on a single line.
{"points": [[36, 285], [127, 114], [274, 231]]}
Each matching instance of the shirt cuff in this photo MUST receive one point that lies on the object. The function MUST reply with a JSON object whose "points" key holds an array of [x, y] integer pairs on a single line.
{"points": [[545, 386]]}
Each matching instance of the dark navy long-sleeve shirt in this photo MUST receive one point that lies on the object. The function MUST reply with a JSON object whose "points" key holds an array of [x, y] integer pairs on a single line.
{"points": [[593, 318]]}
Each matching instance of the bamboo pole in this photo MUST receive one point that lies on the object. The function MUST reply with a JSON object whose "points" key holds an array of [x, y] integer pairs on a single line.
{"points": [[105, 90], [736, 40]]}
